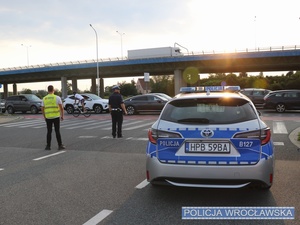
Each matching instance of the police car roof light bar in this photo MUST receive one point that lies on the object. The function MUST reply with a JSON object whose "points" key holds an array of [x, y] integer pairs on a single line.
{"points": [[209, 88]]}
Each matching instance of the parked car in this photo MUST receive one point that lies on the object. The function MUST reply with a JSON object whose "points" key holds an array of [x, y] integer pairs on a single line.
{"points": [[256, 95], [2, 105], [145, 103], [212, 140], [282, 100], [23, 103], [92, 101]]}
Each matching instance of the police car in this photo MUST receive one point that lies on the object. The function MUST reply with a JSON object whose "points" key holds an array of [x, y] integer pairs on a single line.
{"points": [[210, 137]]}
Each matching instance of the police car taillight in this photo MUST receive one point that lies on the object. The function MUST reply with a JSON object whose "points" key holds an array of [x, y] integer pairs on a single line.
{"points": [[264, 135], [154, 134]]}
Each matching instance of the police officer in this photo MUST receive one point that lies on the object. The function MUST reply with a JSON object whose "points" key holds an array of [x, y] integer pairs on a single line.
{"points": [[53, 112], [116, 108]]}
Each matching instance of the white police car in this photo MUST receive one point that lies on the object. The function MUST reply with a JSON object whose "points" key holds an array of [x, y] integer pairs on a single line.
{"points": [[208, 137]]}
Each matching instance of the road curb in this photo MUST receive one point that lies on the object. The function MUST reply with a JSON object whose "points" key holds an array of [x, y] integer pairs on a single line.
{"points": [[294, 137]]}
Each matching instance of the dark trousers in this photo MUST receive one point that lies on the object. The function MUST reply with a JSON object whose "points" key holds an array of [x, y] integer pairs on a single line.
{"points": [[56, 123], [117, 119]]}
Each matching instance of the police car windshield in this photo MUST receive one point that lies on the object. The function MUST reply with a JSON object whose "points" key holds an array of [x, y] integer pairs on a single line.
{"points": [[208, 111]]}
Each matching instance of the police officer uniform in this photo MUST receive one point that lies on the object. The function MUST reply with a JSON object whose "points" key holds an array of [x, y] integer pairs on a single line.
{"points": [[117, 109]]}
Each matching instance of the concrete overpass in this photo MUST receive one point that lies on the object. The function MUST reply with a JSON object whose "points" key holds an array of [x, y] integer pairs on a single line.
{"points": [[271, 59]]}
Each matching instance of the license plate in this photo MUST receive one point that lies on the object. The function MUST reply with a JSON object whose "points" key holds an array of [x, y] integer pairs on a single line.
{"points": [[207, 147]]}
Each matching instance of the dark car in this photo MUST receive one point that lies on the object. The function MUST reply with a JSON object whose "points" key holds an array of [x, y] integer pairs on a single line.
{"points": [[163, 95], [256, 95], [145, 103], [23, 103], [282, 100]]}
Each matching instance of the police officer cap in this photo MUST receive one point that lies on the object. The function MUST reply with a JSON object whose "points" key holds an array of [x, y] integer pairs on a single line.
{"points": [[116, 87]]}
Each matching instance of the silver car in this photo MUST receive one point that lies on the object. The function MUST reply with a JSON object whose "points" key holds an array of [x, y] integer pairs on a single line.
{"points": [[210, 139]]}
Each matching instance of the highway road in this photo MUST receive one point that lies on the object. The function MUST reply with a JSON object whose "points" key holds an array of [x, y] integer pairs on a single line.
{"points": [[101, 180]]}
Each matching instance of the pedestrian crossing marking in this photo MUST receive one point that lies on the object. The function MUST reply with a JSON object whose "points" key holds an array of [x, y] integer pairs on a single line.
{"points": [[279, 127]]}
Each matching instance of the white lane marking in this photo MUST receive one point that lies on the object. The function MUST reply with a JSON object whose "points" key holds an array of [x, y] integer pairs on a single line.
{"points": [[279, 128], [24, 123], [143, 125], [106, 137], [1, 169], [87, 123], [87, 136], [124, 125], [72, 123], [99, 217], [143, 184], [278, 143], [98, 125], [47, 156], [141, 139]]}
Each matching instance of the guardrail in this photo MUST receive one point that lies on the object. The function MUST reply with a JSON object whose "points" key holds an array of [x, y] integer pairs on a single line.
{"points": [[264, 49]]}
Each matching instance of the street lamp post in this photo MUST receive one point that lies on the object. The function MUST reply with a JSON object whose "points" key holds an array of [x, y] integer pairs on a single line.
{"points": [[98, 80], [121, 34], [27, 52]]}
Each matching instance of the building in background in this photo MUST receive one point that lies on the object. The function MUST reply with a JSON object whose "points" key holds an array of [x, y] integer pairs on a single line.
{"points": [[142, 86]]}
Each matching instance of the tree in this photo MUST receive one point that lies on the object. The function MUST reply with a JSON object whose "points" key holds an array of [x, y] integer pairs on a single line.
{"points": [[128, 89], [162, 84], [26, 91]]}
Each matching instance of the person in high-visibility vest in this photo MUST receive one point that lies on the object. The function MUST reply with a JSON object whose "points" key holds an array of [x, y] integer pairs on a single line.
{"points": [[53, 112]]}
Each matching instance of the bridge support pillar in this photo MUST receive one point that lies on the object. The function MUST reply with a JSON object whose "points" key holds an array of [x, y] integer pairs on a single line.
{"points": [[94, 86], [101, 88], [178, 81], [74, 84], [5, 91], [15, 91], [64, 87]]}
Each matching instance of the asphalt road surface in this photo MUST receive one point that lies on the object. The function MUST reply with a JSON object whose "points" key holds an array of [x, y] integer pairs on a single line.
{"points": [[101, 180]]}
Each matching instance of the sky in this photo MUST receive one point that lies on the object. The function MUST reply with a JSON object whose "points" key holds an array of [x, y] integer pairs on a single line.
{"points": [[52, 31]]}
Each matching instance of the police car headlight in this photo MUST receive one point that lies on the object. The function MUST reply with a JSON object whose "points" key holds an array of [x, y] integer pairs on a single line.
{"points": [[154, 134]]}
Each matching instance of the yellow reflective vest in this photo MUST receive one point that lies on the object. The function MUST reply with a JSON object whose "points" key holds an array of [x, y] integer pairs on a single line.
{"points": [[51, 108]]}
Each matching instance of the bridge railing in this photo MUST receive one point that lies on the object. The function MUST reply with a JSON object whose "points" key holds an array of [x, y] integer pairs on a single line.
{"points": [[264, 49]]}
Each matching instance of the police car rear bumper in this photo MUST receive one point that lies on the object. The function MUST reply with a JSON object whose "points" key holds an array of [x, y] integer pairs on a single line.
{"points": [[210, 176]]}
